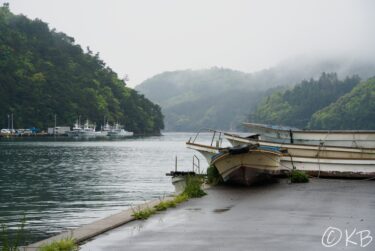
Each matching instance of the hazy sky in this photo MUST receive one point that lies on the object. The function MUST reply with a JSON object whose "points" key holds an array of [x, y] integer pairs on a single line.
{"points": [[142, 38]]}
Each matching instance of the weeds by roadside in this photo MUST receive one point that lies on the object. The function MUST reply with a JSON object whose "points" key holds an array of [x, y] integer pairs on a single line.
{"points": [[297, 176]]}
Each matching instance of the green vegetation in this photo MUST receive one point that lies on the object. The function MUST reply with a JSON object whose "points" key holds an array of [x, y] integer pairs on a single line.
{"points": [[296, 106], [62, 245], [355, 110], [43, 73], [11, 242], [193, 187], [181, 198], [143, 214], [165, 204], [213, 176], [297, 176], [193, 190]]}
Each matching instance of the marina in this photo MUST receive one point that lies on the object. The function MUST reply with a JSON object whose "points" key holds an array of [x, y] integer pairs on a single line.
{"points": [[85, 131]]}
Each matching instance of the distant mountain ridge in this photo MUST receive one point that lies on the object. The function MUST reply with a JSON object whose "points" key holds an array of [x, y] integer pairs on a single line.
{"points": [[222, 98]]}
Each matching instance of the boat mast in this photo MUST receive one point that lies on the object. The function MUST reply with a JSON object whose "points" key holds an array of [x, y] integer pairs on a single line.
{"points": [[54, 129]]}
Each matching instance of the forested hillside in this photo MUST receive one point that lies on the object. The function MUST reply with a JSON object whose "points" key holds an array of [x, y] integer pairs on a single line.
{"points": [[43, 73], [295, 107], [223, 98], [355, 110]]}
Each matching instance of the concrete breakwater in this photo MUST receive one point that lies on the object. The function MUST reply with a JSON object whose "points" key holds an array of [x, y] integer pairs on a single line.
{"points": [[88, 231]]}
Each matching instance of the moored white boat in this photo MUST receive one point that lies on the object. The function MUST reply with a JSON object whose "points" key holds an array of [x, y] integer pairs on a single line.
{"points": [[348, 138], [117, 131], [87, 131], [75, 130]]}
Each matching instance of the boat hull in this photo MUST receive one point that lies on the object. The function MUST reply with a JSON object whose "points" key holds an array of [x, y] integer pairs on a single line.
{"points": [[246, 168]]}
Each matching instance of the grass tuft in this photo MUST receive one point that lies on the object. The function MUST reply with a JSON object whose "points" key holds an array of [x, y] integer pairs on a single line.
{"points": [[61, 245], [165, 204], [181, 198], [193, 187], [297, 176], [143, 214]]}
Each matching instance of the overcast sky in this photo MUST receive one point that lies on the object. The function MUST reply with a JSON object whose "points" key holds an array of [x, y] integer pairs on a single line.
{"points": [[142, 38]]}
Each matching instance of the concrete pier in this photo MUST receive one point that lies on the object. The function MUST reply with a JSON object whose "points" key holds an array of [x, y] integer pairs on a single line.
{"points": [[277, 216]]}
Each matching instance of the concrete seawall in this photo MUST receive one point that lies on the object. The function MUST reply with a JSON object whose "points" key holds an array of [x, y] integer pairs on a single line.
{"points": [[91, 230]]}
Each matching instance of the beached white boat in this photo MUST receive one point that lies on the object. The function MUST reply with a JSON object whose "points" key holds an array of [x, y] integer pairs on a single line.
{"points": [[241, 164], [304, 150], [316, 166], [327, 161], [246, 164], [348, 138]]}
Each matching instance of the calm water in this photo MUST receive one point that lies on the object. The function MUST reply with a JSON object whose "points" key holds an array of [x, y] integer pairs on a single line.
{"points": [[59, 185]]}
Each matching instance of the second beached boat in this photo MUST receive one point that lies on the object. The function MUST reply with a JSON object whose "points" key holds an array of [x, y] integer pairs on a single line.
{"points": [[348, 138]]}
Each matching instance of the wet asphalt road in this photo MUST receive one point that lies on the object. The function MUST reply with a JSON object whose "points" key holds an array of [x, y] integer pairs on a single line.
{"points": [[277, 216]]}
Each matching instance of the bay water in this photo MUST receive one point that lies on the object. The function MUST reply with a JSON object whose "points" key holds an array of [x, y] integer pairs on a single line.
{"points": [[60, 184]]}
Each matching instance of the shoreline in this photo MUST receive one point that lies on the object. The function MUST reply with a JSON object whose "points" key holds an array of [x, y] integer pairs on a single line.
{"points": [[98, 227]]}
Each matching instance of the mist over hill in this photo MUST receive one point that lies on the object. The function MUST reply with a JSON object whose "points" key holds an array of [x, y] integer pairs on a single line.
{"points": [[222, 98]]}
